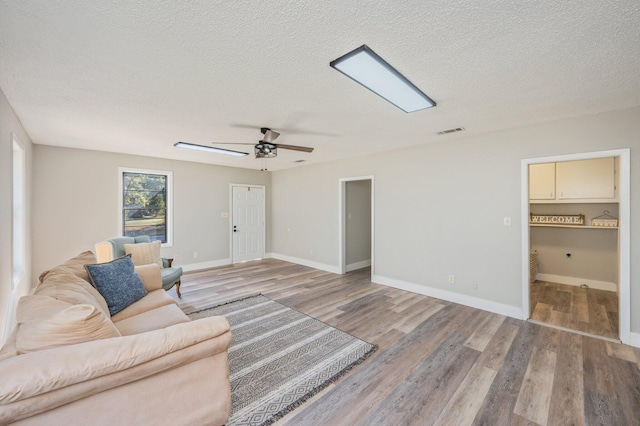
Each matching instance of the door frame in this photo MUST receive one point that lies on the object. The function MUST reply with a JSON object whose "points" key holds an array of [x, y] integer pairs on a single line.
{"points": [[624, 230], [342, 237], [264, 217]]}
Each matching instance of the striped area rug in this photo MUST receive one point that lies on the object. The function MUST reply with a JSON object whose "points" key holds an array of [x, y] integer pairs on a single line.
{"points": [[280, 357]]}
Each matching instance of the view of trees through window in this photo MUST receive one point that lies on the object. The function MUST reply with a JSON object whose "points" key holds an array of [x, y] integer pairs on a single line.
{"points": [[144, 205]]}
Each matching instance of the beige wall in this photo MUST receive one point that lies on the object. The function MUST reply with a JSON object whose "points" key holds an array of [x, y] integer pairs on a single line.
{"points": [[357, 221], [76, 204], [9, 123], [439, 208]]}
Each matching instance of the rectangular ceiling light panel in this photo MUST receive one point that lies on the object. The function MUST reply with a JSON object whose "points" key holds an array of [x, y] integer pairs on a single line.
{"points": [[210, 149], [364, 66]]}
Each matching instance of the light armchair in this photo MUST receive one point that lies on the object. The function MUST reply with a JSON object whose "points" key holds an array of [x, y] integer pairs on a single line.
{"points": [[113, 248]]}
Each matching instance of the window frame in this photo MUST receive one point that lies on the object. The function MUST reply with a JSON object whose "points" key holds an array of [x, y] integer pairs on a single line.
{"points": [[18, 207], [169, 199]]}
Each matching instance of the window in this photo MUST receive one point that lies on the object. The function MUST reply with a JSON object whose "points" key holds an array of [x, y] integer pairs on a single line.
{"points": [[146, 204], [19, 212]]}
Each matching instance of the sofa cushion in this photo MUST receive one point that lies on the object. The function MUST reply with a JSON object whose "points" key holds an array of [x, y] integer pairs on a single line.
{"points": [[117, 282], [74, 266], [150, 275], [45, 322], [155, 319], [75, 281], [65, 286], [153, 300], [102, 364], [144, 253], [9, 349]]}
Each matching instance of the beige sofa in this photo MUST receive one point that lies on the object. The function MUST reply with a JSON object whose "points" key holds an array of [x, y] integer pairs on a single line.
{"points": [[157, 368]]}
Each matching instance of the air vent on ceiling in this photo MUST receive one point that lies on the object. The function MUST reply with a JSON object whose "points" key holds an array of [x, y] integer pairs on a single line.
{"points": [[446, 132], [300, 161]]}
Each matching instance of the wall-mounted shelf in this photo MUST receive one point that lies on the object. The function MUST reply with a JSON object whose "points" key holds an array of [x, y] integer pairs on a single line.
{"points": [[536, 225]]}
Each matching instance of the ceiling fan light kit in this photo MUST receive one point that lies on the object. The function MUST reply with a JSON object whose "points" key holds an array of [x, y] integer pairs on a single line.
{"points": [[266, 150], [365, 67]]}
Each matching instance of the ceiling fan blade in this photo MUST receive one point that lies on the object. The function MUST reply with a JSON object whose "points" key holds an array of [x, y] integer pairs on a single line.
{"points": [[270, 135], [295, 148], [208, 148]]}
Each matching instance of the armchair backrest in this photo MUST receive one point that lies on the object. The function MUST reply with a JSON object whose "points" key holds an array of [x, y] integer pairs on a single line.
{"points": [[113, 248]]}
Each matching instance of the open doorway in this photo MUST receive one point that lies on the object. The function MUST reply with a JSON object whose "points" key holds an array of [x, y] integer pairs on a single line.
{"points": [[576, 242], [356, 224]]}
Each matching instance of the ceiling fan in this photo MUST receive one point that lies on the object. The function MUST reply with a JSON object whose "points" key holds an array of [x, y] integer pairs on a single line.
{"points": [[266, 148]]}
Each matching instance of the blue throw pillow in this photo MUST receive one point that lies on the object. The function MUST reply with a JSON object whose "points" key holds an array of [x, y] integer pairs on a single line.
{"points": [[117, 282]]}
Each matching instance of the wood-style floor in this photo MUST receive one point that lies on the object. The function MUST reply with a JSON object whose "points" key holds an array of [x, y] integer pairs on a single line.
{"points": [[438, 362], [584, 309]]}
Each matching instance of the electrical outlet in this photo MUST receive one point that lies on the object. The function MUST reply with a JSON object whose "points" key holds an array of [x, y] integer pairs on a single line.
{"points": [[452, 279], [474, 285], [506, 221], [195, 254]]}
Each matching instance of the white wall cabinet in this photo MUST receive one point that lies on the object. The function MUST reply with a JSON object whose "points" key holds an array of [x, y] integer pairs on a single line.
{"points": [[586, 179], [591, 181], [542, 181]]}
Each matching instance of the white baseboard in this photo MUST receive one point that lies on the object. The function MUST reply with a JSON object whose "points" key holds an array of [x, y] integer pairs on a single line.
{"points": [[205, 265], [306, 262], [462, 299], [560, 279], [358, 265]]}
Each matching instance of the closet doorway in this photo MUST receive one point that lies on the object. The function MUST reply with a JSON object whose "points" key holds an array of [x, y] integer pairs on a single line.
{"points": [[356, 224], [577, 243]]}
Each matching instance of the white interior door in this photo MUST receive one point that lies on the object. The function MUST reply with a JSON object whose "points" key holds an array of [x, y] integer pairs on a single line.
{"points": [[247, 226]]}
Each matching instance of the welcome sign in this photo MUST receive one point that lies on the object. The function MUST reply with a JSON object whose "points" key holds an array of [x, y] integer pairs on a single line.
{"points": [[556, 219]]}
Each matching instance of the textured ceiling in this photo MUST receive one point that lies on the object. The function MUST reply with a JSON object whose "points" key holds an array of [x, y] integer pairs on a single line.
{"points": [[136, 77]]}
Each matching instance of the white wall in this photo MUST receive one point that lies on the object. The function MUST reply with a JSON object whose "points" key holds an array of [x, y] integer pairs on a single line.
{"points": [[9, 123], [439, 208], [357, 222], [76, 204]]}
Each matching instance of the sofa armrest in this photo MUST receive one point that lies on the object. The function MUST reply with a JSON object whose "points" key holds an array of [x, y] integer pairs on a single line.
{"points": [[39, 381], [151, 276]]}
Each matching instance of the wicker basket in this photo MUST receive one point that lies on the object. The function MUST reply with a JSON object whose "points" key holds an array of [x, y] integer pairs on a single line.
{"points": [[533, 265]]}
